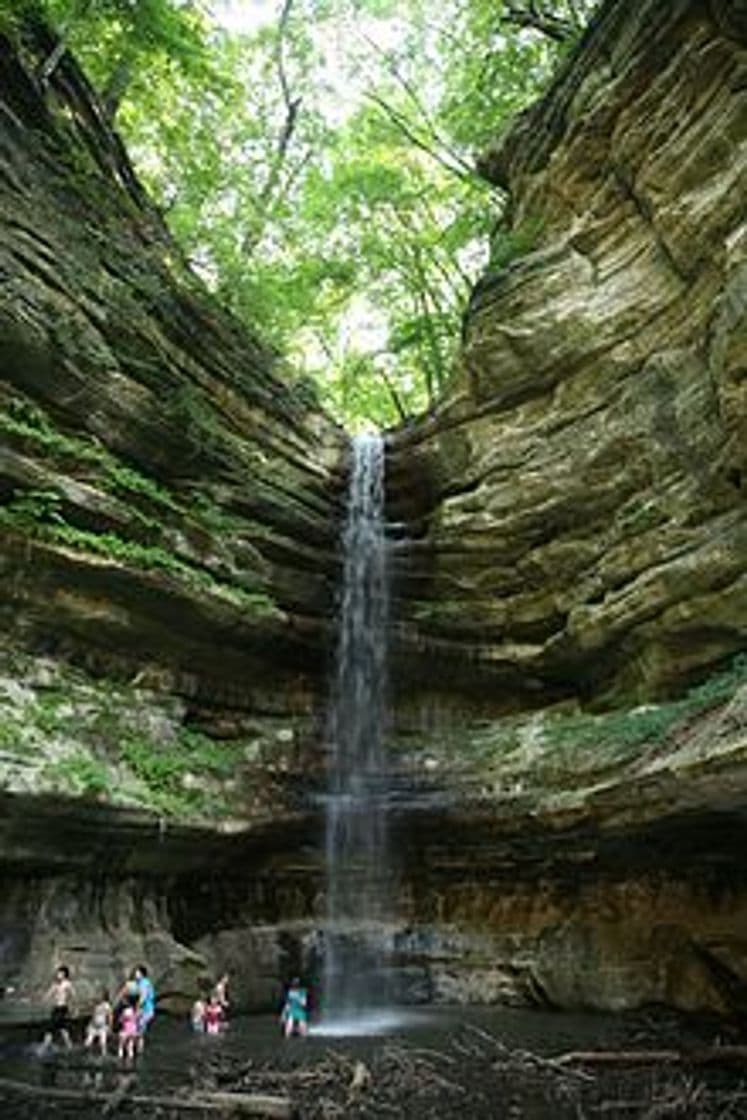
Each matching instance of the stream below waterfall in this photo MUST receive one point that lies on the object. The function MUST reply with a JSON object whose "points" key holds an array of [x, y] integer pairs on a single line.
{"points": [[472, 1063]]}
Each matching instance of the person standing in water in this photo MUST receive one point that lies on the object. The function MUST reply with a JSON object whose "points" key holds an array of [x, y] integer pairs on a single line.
{"points": [[294, 1017], [146, 1004], [213, 1017], [100, 1026], [128, 1030], [221, 992], [61, 996]]}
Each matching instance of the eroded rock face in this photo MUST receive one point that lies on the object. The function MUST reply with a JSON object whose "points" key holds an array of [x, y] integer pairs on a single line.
{"points": [[583, 530], [169, 501], [168, 495]]}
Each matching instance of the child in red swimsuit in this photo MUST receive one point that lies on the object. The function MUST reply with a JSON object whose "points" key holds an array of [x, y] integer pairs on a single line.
{"points": [[213, 1016]]}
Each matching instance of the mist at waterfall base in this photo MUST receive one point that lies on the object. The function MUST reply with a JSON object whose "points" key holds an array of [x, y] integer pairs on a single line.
{"points": [[356, 988]]}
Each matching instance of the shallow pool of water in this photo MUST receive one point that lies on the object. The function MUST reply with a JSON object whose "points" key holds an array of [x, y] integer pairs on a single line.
{"points": [[436, 1041]]}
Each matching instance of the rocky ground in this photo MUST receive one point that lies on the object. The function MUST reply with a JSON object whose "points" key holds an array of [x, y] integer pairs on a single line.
{"points": [[470, 1073]]}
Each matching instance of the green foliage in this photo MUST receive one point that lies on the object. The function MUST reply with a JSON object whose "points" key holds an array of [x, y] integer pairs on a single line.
{"points": [[82, 774], [11, 733], [162, 768], [129, 481], [508, 245], [583, 740], [329, 196], [317, 171], [28, 426], [36, 513], [30, 509], [46, 714], [188, 408]]}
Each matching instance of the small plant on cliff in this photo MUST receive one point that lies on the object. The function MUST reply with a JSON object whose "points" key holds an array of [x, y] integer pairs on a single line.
{"points": [[652, 723], [121, 478], [81, 774], [31, 509], [507, 245], [28, 425], [165, 770]]}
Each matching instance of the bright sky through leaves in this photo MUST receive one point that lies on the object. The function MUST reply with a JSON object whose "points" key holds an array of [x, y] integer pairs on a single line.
{"points": [[315, 161]]}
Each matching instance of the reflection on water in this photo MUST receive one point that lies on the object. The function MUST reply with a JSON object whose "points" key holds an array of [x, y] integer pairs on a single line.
{"points": [[368, 1025]]}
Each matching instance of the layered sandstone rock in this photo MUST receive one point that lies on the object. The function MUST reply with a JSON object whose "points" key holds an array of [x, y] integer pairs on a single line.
{"points": [[582, 523], [169, 496], [169, 500]]}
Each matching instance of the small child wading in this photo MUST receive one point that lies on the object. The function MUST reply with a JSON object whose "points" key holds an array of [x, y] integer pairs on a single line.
{"points": [[100, 1026], [197, 1015], [294, 1017], [213, 1016], [128, 1030]]}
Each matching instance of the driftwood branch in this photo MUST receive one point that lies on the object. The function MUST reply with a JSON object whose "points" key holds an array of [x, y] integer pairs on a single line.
{"points": [[118, 1095], [709, 1056], [240, 1104]]}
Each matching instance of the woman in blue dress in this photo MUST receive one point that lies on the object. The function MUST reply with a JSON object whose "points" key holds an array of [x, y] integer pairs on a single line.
{"points": [[295, 1016]]}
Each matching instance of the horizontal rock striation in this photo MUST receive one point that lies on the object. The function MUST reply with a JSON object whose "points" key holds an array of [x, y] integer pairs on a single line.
{"points": [[169, 507], [169, 494], [578, 499]]}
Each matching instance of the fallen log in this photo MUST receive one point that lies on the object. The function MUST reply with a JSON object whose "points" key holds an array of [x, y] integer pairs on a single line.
{"points": [[712, 1055], [240, 1104], [118, 1095], [251, 1104]]}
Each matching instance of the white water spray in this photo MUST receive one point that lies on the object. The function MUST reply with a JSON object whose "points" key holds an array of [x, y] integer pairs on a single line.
{"points": [[359, 885]]}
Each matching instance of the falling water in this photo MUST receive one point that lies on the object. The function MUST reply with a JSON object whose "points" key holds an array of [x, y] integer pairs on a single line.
{"points": [[358, 878]]}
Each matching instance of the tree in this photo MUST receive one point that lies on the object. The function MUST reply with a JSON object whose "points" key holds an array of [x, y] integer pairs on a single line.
{"points": [[318, 171]]}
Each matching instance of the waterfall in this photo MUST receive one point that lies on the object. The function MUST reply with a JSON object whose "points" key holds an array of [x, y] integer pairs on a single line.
{"points": [[358, 875]]}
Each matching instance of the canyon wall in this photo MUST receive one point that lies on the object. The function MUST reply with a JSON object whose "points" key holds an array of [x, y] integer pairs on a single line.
{"points": [[169, 508], [580, 493]]}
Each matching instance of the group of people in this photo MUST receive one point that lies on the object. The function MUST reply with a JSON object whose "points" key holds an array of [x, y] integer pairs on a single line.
{"points": [[127, 1017]]}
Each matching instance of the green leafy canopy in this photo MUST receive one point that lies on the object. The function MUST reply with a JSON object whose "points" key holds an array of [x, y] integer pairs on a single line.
{"points": [[316, 164]]}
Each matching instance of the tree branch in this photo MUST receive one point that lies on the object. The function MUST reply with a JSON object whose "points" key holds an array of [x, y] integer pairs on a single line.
{"points": [[414, 96], [537, 18], [408, 132]]}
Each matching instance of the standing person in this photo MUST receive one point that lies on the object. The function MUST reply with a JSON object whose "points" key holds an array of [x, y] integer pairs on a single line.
{"points": [[146, 1003], [213, 1017], [124, 996], [128, 1030], [220, 991], [294, 1017], [60, 994], [197, 1015], [100, 1025]]}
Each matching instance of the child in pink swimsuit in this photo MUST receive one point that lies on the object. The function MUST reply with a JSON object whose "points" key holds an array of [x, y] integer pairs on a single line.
{"points": [[213, 1016], [128, 1031]]}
